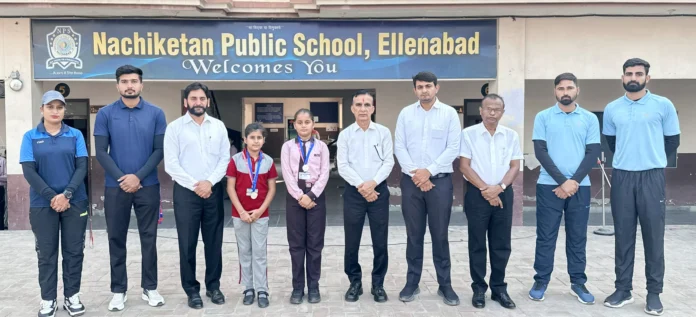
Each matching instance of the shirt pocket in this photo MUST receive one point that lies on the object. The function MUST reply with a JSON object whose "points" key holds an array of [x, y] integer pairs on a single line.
{"points": [[438, 140], [214, 145]]}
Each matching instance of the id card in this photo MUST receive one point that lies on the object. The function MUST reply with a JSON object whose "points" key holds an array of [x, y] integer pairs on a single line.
{"points": [[304, 176]]}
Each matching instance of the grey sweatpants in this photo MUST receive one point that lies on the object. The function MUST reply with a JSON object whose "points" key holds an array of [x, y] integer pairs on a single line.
{"points": [[251, 246]]}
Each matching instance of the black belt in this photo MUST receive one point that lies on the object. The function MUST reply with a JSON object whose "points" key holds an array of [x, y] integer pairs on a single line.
{"points": [[440, 175]]}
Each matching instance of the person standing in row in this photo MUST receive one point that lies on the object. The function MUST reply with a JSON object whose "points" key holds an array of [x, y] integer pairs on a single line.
{"points": [[365, 158], [566, 143], [642, 130], [54, 162], [426, 144], [196, 155], [305, 167], [128, 135], [490, 161], [251, 185]]}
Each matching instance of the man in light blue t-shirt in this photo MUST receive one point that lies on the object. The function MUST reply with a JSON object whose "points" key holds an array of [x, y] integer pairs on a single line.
{"points": [[642, 129], [567, 144]]}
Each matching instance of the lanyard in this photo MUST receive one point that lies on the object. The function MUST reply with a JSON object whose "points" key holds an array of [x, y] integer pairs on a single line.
{"points": [[256, 172], [300, 146]]}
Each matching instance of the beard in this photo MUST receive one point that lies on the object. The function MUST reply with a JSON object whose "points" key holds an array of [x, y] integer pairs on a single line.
{"points": [[566, 100], [195, 110], [133, 96], [634, 86]]}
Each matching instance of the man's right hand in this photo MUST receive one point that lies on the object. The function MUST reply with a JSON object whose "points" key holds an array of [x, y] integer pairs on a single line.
{"points": [[570, 187], [496, 202], [371, 196], [129, 183]]}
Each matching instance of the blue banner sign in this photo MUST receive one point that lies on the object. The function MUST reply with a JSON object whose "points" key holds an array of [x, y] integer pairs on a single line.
{"points": [[265, 50], [268, 112]]}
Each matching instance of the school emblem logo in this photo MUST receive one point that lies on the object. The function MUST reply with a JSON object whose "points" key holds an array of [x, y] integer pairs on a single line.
{"points": [[64, 48]]}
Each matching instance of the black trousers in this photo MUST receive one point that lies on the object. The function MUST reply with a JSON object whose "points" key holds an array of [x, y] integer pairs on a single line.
{"points": [[436, 206], [117, 211], [72, 223], [306, 228], [3, 210], [639, 196], [495, 223], [550, 209], [355, 207], [193, 214]]}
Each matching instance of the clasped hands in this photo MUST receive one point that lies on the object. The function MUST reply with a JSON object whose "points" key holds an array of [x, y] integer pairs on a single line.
{"points": [[59, 203], [421, 178], [367, 190], [306, 202], [251, 215], [491, 193], [129, 183], [567, 189], [203, 189]]}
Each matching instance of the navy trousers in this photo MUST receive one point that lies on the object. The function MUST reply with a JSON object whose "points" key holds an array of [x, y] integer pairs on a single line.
{"points": [[549, 211]]}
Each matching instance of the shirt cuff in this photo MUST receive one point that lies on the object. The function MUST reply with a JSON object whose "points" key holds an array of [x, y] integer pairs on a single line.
{"points": [[432, 169]]}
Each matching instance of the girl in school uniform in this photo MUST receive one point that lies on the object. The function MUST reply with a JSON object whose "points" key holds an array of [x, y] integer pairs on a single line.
{"points": [[305, 166], [251, 177]]}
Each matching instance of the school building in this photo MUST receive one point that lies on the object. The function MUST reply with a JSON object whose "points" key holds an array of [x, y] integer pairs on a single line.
{"points": [[264, 60]]}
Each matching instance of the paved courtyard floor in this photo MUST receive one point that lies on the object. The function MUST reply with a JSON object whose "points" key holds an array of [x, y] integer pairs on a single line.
{"points": [[19, 290]]}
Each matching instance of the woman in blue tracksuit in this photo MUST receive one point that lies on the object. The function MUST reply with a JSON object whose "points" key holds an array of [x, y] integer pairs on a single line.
{"points": [[54, 161]]}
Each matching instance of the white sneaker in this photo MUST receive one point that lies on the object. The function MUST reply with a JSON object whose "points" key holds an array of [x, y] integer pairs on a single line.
{"points": [[118, 303], [153, 298], [48, 308], [74, 306]]}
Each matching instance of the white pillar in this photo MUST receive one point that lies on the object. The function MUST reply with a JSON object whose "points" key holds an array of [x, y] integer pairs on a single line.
{"points": [[21, 112], [509, 84]]}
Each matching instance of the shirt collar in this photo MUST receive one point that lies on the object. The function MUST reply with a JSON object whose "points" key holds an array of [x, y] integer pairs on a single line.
{"points": [[138, 106], [557, 109], [482, 129], [437, 104], [253, 160], [64, 128], [311, 139], [641, 101], [356, 127], [189, 118]]}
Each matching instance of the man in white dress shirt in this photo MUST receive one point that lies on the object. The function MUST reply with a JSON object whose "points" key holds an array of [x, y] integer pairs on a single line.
{"points": [[490, 161], [196, 154], [365, 159], [426, 144]]}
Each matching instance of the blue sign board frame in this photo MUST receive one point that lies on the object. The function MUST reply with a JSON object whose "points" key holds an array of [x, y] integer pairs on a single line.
{"points": [[208, 50]]}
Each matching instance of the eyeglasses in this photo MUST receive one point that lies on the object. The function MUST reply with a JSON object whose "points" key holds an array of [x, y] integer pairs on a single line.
{"points": [[493, 110]]}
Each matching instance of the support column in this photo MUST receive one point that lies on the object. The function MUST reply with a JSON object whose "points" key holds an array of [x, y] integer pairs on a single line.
{"points": [[510, 85], [21, 113]]}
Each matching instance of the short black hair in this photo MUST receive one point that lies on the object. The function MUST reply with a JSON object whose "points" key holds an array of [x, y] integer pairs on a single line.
{"points": [[304, 110], [128, 69], [196, 86], [637, 62], [365, 92], [427, 77], [493, 97], [255, 126], [565, 76]]}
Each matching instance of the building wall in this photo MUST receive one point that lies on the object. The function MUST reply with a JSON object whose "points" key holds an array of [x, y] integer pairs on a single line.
{"points": [[3, 132], [596, 47]]}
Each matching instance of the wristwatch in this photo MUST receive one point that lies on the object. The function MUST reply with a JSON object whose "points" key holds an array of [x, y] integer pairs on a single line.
{"points": [[502, 185], [67, 194]]}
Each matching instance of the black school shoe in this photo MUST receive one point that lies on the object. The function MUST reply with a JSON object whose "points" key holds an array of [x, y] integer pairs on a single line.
{"points": [[263, 300], [248, 296], [296, 296]]}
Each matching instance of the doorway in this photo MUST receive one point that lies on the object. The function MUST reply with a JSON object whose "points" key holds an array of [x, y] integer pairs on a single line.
{"points": [[77, 116], [472, 115]]}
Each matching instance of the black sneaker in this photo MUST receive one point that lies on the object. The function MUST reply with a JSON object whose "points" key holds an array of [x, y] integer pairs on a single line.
{"points": [[48, 308], [379, 294], [313, 296], [74, 306], [408, 294], [248, 296], [448, 295], [619, 299], [354, 292], [653, 305], [296, 296], [263, 299]]}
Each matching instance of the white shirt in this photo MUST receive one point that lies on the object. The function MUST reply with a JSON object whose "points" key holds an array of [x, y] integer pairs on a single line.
{"points": [[194, 153], [365, 155], [427, 139], [490, 155]]}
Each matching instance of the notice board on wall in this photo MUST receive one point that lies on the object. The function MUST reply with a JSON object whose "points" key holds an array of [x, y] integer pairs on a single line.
{"points": [[327, 112], [265, 112]]}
